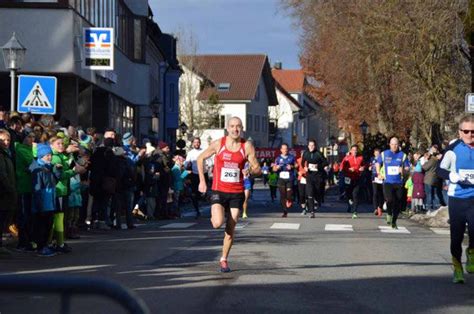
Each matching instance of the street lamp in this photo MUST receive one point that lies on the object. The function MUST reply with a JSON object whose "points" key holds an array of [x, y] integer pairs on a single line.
{"points": [[183, 128], [13, 56], [364, 128]]}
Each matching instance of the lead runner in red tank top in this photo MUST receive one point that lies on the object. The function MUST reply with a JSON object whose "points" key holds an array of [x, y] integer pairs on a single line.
{"points": [[231, 152]]}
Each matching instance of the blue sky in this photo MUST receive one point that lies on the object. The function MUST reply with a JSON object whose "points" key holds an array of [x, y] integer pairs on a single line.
{"points": [[233, 26]]}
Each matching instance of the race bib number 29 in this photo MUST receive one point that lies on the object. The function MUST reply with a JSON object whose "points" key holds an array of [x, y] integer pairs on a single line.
{"points": [[230, 175], [468, 174]]}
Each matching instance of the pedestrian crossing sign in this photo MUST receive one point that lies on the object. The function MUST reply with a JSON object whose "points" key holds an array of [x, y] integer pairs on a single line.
{"points": [[37, 94]]}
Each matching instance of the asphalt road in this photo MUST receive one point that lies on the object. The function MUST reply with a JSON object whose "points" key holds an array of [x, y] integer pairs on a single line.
{"points": [[303, 267]]}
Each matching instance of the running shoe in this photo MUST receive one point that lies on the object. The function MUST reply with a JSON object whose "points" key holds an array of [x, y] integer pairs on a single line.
{"points": [[354, 215], [285, 214], [394, 226], [470, 261], [458, 274], [225, 267], [46, 252], [63, 249], [375, 213], [244, 216], [389, 219], [312, 215], [304, 212]]}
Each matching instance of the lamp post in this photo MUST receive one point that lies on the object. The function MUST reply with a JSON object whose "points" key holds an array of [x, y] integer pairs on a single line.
{"points": [[13, 56], [364, 129]]}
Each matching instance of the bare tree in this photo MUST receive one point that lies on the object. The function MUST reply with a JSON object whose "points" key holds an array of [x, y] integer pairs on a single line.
{"points": [[197, 114], [396, 64]]}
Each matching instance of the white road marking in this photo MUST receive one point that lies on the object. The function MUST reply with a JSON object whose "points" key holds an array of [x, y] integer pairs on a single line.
{"points": [[178, 225], [444, 231], [388, 229], [239, 225], [337, 227], [54, 270], [285, 226]]}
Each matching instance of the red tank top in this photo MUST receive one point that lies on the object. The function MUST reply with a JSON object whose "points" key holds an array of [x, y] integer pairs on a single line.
{"points": [[227, 174]]}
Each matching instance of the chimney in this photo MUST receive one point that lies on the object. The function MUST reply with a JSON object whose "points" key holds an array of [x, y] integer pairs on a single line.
{"points": [[277, 65]]}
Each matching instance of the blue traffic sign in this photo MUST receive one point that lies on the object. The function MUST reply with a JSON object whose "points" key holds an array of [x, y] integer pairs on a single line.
{"points": [[37, 94]]}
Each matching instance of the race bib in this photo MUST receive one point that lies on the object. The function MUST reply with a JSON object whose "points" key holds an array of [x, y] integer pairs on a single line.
{"points": [[265, 172], [468, 174], [347, 180], [284, 175], [312, 167], [303, 180], [230, 175], [378, 181], [393, 170]]}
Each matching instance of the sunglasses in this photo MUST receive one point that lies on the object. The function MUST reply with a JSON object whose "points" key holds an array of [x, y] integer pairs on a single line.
{"points": [[467, 131]]}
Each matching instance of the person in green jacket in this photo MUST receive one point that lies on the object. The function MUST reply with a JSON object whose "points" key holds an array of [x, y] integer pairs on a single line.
{"points": [[62, 160], [23, 160]]}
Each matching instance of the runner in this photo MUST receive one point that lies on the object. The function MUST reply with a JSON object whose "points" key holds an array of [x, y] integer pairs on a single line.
{"points": [[301, 184], [247, 191], [394, 163], [352, 166], [227, 187], [314, 164], [457, 166], [377, 185], [284, 165]]}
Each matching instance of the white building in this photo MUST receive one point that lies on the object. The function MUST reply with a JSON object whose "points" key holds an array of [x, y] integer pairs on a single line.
{"points": [[302, 116], [244, 87]]}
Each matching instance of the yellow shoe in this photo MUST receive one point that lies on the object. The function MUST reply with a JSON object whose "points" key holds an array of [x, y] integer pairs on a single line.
{"points": [[13, 230], [458, 273], [470, 261], [244, 216]]}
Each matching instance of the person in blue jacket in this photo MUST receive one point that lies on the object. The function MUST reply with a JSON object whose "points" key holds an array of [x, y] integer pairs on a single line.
{"points": [[396, 164], [284, 165], [457, 166], [44, 179]]}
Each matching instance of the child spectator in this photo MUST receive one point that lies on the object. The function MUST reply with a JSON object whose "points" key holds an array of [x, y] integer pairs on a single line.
{"points": [[418, 178], [44, 180], [75, 204], [273, 183], [179, 174]]}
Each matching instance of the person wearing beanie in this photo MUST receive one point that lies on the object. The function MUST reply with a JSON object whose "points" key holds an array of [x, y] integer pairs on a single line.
{"points": [[44, 180], [61, 159], [162, 145], [23, 159], [133, 156]]}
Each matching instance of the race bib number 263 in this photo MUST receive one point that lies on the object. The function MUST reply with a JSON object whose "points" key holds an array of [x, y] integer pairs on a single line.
{"points": [[230, 175]]}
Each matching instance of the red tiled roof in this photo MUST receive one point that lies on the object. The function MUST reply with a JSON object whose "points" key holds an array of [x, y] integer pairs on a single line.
{"points": [[243, 72], [291, 80]]}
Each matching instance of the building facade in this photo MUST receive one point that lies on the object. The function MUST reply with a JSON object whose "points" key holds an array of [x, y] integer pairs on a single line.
{"points": [[52, 32]]}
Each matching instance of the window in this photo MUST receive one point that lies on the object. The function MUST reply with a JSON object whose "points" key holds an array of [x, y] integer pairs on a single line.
{"points": [[121, 115], [249, 122], [257, 123], [129, 29], [223, 87], [302, 129], [221, 121]]}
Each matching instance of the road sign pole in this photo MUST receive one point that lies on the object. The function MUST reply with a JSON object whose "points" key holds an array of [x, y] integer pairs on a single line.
{"points": [[12, 86]]}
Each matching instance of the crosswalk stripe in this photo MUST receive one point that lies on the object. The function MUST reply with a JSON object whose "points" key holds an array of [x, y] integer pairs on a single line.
{"points": [[444, 231], [178, 225], [239, 225], [285, 226], [338, 227], [388, 229]]}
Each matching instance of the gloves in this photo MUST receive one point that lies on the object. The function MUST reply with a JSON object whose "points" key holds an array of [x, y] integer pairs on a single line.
{"points": [[455, 177]]}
